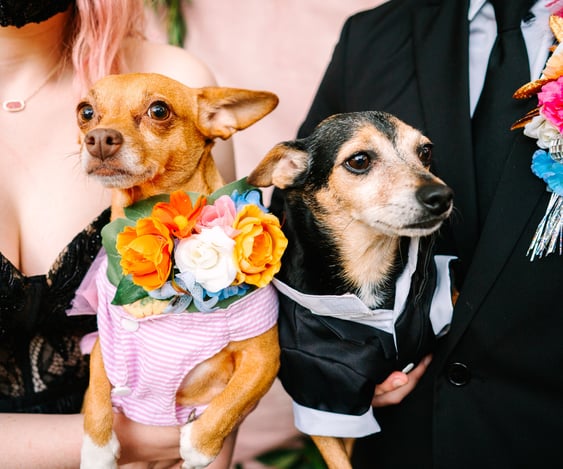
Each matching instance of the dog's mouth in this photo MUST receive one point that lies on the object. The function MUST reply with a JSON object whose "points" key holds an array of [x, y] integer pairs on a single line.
{"points": [[425, 225], [112, 173], [422, 228], [118, 178], [104, 172], [418, 228], [111, 177]]}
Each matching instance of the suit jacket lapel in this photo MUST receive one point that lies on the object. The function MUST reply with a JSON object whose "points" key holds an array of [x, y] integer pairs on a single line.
{"points": [[444, 97], [444, 93], [508, 217]]}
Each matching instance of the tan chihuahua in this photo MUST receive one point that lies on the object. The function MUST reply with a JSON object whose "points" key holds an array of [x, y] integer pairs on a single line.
{"points": [[146, 134]]}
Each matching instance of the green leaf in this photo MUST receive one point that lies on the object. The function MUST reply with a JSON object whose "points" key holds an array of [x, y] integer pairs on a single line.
{"points": [[280, 458], [109, 236], [241, 186], [176, 23], [127, 292], [304, 456], [143, 208]]}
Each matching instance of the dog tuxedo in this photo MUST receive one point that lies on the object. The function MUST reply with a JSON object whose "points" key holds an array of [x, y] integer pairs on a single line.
{"points": [[334, 349], [147, 359]]}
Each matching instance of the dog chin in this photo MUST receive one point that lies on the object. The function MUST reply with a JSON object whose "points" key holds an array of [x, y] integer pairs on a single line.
{"points": [[411, 230], [116, 179], [420, 229]]}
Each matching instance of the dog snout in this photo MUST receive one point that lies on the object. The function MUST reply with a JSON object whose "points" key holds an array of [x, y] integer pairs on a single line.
{"points": [[436, 198], [103, 143]]}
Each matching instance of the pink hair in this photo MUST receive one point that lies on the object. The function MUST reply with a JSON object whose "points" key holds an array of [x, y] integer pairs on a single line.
{"points": [[98, 32]]}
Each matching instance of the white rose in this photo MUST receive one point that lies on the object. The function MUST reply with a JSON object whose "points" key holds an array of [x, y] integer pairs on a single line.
{"points": [[209, 257], [542, 130]]}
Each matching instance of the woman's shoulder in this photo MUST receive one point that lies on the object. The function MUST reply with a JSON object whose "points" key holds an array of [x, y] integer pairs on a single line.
{"points": [[175, 62]]}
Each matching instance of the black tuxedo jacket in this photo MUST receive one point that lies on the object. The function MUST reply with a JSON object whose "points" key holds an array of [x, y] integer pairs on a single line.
{"points": [[493, 395]]}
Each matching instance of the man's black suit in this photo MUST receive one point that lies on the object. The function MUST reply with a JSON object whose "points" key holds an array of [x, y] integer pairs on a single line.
{"points": [[493, 395]]}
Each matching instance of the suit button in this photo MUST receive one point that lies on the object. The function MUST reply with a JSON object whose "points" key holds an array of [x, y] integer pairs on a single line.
{"points": [[458, 374]]}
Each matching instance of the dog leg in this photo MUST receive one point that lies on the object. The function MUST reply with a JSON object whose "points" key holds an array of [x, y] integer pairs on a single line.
{"points": [[334, 451], [349, 445], [256, 363], [100, 447]]}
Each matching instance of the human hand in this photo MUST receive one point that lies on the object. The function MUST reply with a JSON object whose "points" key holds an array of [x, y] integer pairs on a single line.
{"points": [[161, 445], [399, 384], [145, 442]]}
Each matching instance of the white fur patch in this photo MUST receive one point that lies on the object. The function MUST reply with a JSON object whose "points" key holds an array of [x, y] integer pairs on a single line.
{"points": [[99, 457], [193, 459]]}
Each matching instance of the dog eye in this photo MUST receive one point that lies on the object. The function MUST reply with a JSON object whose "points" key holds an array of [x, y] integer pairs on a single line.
{"points": [[158, 110], [425, 154], [85, 112], [358, 163]]}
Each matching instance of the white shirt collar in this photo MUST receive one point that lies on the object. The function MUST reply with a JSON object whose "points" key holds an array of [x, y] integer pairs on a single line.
{"points": [[474, 7], [482, 28]]}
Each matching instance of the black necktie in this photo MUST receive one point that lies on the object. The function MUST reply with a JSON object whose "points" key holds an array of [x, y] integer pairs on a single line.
{"points": [[497, 110]]}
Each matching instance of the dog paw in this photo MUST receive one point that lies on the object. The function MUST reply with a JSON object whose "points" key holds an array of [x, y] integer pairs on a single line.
{"points": [[93, 456], [193, 459]]}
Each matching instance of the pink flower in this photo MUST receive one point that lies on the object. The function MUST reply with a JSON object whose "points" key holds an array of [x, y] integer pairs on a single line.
{"points": [[222, 213], [550, 99]]}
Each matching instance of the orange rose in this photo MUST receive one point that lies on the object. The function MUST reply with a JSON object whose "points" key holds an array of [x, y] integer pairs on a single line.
{"points": [[179, 215], [259, 246], [145, 252]]}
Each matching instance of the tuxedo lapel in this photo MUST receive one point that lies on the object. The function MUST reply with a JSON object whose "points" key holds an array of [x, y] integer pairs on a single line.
{"points": [[446, 110], [518, 194], [444, 94]]}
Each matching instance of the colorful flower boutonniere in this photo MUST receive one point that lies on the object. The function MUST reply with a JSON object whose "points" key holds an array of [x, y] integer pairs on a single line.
{"points": [[545, 124], [195, 252]]}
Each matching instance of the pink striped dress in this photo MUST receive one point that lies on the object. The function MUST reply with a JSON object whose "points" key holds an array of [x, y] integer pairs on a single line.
{"points": [[147, 359]]}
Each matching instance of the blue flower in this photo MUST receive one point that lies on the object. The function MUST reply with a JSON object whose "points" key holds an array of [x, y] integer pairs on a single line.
{"points": [[252, 196], [544, 167]]}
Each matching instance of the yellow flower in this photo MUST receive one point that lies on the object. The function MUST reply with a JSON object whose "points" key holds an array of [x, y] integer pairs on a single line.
{"points": [[145, 252], [259, 246]]}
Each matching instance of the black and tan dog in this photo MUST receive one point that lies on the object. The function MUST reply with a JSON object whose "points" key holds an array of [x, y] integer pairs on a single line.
{"points": [[362, 292]]}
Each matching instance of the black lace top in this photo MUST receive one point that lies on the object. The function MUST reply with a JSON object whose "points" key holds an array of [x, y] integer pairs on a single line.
{"points": [[41, 366]]}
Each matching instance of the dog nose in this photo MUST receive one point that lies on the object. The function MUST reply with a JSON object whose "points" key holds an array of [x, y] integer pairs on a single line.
{"points": [[437, 198], [103, 143]]}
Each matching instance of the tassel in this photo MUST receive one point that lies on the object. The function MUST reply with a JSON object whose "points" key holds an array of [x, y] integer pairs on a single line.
{"points": [[549, 234]]}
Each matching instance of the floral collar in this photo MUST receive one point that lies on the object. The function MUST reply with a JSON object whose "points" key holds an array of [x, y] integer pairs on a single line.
{"points": [[545, 124], [194, 252]]}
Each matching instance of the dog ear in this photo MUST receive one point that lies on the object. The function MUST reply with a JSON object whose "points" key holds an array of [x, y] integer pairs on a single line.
{"points": [[223, 111], [283, 166]]}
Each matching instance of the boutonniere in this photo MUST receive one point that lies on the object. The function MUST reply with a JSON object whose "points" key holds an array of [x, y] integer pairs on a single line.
{"points": [[545, 124], [196, 252]]}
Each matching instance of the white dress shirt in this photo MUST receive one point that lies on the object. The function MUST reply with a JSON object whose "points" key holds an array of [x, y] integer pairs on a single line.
{"points": [[482, 34]]}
